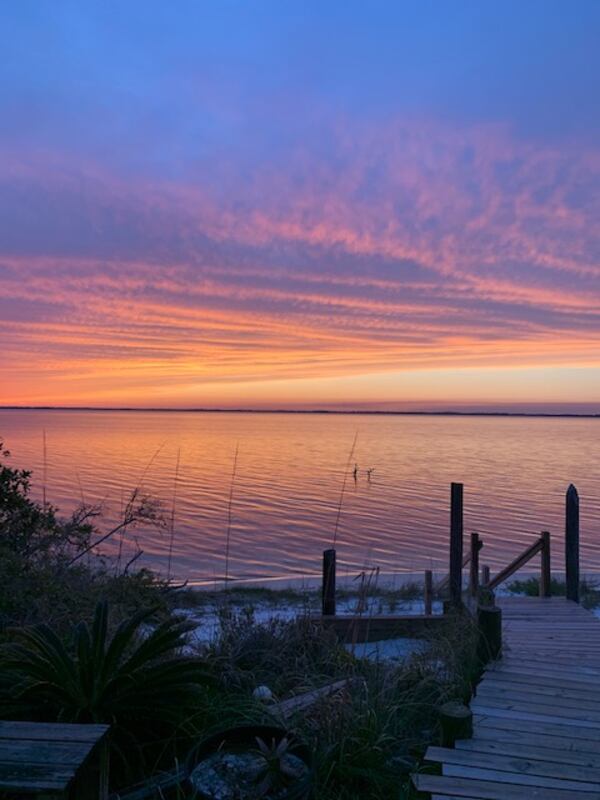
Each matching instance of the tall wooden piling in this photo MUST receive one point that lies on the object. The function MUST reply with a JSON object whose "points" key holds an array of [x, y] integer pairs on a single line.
{"points": [[428, 593], [572, 544], [546, 574], [456, 543], [474, 565], [489, 621], [328, 596], [485, 575]]}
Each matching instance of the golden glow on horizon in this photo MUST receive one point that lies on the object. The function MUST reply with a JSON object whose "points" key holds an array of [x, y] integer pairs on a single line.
{"points": [[419, 290]]}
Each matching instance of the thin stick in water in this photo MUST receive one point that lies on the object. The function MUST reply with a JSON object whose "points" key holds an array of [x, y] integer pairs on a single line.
{"points": [[339, 510], [172, 520], [229, 510]]}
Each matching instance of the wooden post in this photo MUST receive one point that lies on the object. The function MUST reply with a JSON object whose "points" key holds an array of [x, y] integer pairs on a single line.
{"points": [[474, 566], [546, 574], [428, 593], [328, 597], [456, 543], [572, 544], [485, 575], [456, 722], [489, 621]]}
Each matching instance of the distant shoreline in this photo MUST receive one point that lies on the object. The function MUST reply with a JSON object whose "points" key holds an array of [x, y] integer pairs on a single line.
{"points": [[355, 412]]}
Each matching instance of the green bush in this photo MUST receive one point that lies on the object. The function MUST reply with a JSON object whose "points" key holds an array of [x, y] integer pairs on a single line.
{"points": [[141, 685]]}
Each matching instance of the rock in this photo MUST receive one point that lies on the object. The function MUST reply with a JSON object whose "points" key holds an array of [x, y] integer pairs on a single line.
{"points": [[262, 693]]}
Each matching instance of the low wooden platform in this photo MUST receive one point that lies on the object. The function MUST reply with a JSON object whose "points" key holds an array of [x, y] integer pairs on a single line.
{"points": [[536, 712], [53, 760]]}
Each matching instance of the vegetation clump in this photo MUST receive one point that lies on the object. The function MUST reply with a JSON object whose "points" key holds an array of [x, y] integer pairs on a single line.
{"points": [[82, 641]]}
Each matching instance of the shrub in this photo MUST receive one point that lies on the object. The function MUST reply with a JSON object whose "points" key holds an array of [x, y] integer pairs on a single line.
{"points": [[140, 685]]}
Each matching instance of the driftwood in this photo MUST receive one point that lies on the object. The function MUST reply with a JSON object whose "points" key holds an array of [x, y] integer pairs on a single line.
{"points": [[300, 702]]}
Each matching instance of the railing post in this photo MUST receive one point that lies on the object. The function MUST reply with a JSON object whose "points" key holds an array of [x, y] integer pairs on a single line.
{"points": [[328, 596], [428, 593], [474, 567], [456, 722], [489, 621], [485, 575], [546, 574], [456, 543], [572, 544]]}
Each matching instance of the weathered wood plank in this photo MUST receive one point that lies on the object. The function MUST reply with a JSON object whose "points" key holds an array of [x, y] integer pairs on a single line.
{"points": [[489, 790], [518, 767], [529, 714], [520, 779], [548, 740], [52, 731], [41, 758], [34, 778], [370, 628], [536, 712], [521, 749], [39, 752]]}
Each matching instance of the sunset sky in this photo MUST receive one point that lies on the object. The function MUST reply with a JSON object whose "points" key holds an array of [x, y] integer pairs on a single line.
{"points": [[300, 204]]}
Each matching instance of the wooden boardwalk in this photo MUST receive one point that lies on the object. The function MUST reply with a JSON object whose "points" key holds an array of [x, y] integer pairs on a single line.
{"points": [[536, 713]]}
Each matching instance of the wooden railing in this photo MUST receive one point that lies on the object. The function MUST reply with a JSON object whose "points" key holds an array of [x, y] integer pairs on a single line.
{"points": [[541, 545]]}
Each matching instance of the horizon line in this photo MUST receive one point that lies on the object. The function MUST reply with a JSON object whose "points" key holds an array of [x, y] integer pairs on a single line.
{"points": [[371, 412]]}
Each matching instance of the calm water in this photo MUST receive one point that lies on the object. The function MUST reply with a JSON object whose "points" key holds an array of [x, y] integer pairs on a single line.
{"points": [[289, 477]]}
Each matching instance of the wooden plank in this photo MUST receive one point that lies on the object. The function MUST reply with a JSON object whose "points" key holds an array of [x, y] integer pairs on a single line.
{"points": [[521, 749], [374, 627], [499, 718], [534, 711], [39, 752], [518, 769], [570, 744], [542, 666], [519, 671], [34, 778], [520, 779], [515, 565], [490, 790], [451, 797], [487, 692], [543, 689], [52, 731]]}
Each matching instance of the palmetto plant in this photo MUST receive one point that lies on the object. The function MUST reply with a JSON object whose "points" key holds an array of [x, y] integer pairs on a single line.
{"points": [[139, 684]]}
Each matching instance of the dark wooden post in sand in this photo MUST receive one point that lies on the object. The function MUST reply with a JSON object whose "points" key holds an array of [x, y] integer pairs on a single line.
{"points": [[474, 566], [456, 722], [456, 544], [328, 597], [572, 544], [428, 593], [489, 622], [485, 575], [546, 574]]}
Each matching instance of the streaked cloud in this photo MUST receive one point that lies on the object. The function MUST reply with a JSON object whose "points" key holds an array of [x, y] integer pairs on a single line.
{"points": [[277, 237]]}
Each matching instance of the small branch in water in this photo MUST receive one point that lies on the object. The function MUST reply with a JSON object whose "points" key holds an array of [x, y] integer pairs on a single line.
{"points": [[229, 509]]}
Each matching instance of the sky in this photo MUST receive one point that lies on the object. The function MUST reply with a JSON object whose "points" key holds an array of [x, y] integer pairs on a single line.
{"points": [[383, 205]]}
